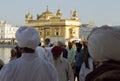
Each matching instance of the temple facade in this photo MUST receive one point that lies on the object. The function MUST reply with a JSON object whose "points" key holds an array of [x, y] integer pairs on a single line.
{"points": [[54, 26]]}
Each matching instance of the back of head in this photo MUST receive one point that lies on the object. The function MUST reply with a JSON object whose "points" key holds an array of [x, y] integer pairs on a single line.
{"points": [[51, 44], [85, 43], [104, 43], [78, 44], [47, 41], [56, 50], [60, 43], [70, 43], [27, 37]]}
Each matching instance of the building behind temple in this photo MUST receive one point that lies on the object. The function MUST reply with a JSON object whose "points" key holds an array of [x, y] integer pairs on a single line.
{"points": [[55, 27], [85, 31], [7, 32]]}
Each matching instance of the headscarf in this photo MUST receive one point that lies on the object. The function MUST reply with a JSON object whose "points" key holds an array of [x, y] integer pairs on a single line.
{"points": [[57, 50], [27, 37], [104, 43]]}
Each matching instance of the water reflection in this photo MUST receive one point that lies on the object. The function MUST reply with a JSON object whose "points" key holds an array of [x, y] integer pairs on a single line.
{"points": [[5, 54]]}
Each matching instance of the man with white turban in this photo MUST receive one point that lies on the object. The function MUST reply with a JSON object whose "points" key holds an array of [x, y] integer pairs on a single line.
{"points": [[29, 67], [104, 46]]}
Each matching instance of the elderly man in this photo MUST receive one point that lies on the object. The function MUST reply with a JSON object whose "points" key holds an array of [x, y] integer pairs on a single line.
{"points": [[63, 67], [62, 45], [29, 67], [104, 46]]}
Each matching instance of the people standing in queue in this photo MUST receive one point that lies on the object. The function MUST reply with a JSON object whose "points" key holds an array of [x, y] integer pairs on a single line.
{"points": [[104, 47], [62, 65], [78, 60], [29, 67]]}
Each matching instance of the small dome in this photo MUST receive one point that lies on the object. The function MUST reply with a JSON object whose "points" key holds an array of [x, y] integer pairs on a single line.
{"points": [[75, 14], [29, 16], [46, 14], [47, 11], [59, 12]]}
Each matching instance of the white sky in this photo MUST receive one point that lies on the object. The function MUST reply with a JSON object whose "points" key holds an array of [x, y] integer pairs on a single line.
{"points": [[100, 11]]}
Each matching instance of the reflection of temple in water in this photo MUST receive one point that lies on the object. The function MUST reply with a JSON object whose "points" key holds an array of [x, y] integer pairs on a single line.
{"points": [[54, 26]]}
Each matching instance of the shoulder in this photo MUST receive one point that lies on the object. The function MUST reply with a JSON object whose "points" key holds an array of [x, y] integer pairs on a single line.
{"points": [[65, 61], [82, 51], [109, 75], [48, 65], [50, 69], [106, 70], [11, 63], [73, 49], [39, 48], [8, 69]]}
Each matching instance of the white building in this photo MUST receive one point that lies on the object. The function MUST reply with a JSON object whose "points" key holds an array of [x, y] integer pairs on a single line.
{"points": [[7, 32], [85, 31]]}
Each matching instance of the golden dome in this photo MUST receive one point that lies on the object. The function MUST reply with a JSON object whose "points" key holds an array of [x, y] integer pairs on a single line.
{"points": [[59, 12], [75, 14], [45, 15], [29, 16]]}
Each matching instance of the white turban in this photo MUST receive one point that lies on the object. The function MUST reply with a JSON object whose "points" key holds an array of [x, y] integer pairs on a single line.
{"points": [[27, 37], [104, 43]]}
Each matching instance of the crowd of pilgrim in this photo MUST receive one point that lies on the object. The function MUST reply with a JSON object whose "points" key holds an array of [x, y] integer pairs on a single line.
{"points": [[95, 59]]}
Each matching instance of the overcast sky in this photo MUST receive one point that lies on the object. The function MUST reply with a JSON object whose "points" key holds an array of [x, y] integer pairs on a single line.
{"points": [[99, 11]]}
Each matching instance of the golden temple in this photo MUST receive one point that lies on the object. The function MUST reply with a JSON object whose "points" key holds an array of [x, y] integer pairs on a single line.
{"points": [[55, 27]]}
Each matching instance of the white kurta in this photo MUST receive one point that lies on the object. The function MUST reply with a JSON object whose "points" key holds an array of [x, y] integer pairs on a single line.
{"points": [[29, 67], [48, 53], [84, 71], [64, 69], [41, 52]]}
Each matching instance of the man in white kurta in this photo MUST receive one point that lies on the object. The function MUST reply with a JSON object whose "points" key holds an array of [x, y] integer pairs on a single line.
{"points": [[29, 67], [84, 70], [62, 65], [41, 52]]}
